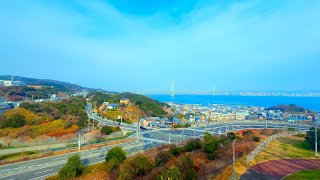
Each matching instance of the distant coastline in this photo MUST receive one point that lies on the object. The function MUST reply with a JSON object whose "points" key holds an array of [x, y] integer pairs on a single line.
{"points": [[246, 94], [309, 102]]}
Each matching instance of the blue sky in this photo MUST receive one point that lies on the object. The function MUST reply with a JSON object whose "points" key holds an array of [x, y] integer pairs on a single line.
{"points": [[141, 45]]}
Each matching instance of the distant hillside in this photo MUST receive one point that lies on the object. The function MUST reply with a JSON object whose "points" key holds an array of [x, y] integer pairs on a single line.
{"points": [[62, 86], [149, 106], [291, 108]]}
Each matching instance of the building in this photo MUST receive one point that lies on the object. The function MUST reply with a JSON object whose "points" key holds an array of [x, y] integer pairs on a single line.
{"points": [[125, 101], [112, 106], [8, 83], [241, 115]]}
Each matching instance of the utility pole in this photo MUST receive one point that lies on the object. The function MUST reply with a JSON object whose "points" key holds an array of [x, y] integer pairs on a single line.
{"points": [[316, 140], [233, 160], [7, 96], [79, 142], [266, 123], [180, 138], [27, 96]]}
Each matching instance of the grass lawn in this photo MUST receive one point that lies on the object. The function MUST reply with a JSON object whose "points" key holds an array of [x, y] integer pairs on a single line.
{"points": [[307, 174], [285, 148]]}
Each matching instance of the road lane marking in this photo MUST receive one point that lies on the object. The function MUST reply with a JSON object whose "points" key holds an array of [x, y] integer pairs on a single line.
{"points": [[42, 177], [44, 171]]}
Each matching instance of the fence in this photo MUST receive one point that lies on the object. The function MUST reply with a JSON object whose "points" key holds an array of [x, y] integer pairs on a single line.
{"points": [[254, 153]]}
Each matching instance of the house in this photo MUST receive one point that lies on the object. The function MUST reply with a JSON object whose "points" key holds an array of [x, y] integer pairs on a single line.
{"points": [[125, 101], [112, 106], [7, 83], [157, 125]]}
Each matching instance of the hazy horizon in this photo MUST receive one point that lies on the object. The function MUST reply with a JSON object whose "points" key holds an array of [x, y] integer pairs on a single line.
{"points": [[141, 46]]}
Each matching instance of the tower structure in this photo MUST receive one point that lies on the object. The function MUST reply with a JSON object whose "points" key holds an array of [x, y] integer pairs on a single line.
{"points": [[172, 89]]}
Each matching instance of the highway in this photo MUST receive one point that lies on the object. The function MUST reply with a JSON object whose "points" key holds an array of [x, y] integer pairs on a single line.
{"points": [[41, 168]]}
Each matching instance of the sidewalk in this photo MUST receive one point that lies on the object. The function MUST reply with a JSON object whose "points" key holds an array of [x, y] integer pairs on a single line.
{"points": [[31, 148]]}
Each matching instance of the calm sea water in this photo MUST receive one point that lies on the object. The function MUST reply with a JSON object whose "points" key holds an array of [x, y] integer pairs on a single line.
{"points": [[312, 103]]}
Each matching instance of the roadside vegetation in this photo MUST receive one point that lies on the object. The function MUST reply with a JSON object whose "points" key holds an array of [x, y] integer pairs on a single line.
{"points": [[107, 130], [17, 155], [196, 159], [52, 119]]}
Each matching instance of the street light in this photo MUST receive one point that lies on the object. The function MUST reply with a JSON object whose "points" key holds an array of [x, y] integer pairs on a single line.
{"points": [[233, 160]]}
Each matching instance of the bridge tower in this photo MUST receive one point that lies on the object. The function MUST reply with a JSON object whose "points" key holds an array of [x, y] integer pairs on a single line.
{"points": [[172, 89]]}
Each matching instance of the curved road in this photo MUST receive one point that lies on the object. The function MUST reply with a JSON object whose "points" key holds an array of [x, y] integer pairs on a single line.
{"points": [[277, 169], [41, 168]]}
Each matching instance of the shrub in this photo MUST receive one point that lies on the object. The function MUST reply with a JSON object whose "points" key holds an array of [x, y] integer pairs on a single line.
{"points": [[162, 157], [175, 150], [72, 169], [14, 121], [172, 173], [116, 153], [231, 136], [107, 130], [136, 167], [187, 168], [192, 145], [210, 145], [291, 129], [256, 139]]}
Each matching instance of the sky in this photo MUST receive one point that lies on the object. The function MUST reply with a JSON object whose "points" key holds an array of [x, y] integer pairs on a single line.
{"points": [[143, 45]]}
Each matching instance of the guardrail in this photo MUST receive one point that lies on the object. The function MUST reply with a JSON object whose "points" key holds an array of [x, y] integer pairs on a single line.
{"points": [[254, 153]]}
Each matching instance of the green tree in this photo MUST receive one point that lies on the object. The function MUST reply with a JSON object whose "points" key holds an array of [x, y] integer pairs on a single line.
{"points": [[116, 153], [107, 130], [192, 145], [231, 136], [175, 150], [72, 169], [310, 137], [210, 145]]}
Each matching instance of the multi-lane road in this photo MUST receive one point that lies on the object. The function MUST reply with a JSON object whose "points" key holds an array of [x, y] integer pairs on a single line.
{"points": [[41, 168]]}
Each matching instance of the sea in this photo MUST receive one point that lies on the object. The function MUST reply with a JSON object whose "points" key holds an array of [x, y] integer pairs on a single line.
{"points": [[312, 103]]}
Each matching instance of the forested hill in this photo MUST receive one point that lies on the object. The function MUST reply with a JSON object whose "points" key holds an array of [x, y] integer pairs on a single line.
{"points": [[62, 86], [148, 105], [291, 108]]}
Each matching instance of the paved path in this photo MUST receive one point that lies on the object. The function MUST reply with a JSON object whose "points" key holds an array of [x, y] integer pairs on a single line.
{"points": [[31, 148], [277, 169]]}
